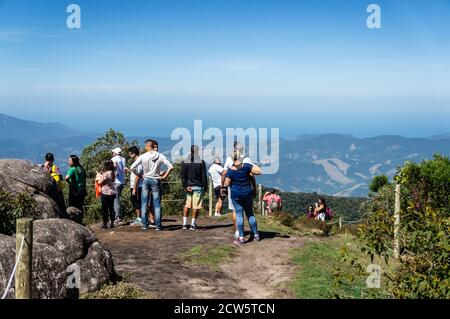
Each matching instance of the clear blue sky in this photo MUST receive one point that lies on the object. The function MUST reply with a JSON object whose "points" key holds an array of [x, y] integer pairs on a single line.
{"points": [[146, 67]]}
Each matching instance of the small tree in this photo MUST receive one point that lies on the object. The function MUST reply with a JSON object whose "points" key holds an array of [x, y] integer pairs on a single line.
{"points": [[378, 182]]}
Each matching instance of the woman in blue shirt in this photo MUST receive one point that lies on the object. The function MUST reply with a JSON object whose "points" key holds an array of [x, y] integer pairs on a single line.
{"points": [[239, 178]]}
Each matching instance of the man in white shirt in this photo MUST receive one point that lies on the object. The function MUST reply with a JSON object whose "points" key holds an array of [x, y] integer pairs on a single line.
{"points": [[216, 175], [119, 165], [151, 185]]}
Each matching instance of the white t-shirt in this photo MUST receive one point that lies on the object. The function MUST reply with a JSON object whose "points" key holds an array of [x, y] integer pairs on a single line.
{"points": [[120, 164], [152, 162], [229, 162], [216, 174], [133, 176]]}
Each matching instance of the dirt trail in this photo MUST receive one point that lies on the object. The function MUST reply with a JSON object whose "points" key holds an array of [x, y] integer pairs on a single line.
{"points": [[152, 260]]}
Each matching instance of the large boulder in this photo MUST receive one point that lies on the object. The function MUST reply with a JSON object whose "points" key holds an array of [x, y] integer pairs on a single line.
{"points": [[18, 176], [58, 244], [75, 214]]}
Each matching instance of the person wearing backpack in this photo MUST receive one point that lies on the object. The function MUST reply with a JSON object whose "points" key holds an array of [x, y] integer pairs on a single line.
{"points": [[76, 178], [58, 184]]}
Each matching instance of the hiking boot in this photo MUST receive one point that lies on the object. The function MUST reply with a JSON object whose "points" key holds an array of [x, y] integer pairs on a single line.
{"points": [[193, 227]]}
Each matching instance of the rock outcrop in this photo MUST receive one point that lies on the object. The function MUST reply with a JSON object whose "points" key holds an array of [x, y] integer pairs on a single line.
{"points": [[58, 244], [18, 176]]}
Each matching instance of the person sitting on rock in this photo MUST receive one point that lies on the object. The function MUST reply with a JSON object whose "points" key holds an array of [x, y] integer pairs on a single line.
{"points": [[58, 185]]}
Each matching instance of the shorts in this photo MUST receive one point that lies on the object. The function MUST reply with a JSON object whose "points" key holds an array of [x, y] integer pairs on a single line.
{"points": [[217, 192], [136, 199], [194, 199]]}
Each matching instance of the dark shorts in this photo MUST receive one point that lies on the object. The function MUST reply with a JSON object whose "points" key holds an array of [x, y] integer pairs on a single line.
{"points": [[136, 199], [217, 192]]}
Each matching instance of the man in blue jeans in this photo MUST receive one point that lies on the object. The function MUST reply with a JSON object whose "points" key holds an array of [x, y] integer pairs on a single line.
{"points": [[152, 162]]}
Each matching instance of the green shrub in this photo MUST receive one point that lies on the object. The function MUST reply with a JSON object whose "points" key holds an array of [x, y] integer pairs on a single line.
{"points": [[13, 207], [424, 234], [120, 290]]}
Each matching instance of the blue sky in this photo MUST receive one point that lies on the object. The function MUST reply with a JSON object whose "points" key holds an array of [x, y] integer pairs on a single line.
{"points": [[147, 67]]}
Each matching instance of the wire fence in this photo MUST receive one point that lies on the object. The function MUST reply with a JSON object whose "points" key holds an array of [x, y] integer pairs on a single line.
{"points": [[13, 273]]}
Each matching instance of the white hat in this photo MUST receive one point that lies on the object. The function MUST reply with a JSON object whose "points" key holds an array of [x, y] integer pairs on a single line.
{"points": [[117, 150]]}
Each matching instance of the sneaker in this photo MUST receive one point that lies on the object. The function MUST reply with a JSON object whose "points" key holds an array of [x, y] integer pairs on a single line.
{"points": [[236, 235], [104, 226], [111, 225], [158, 229], [217, 215], [193, 227], [152, 225], [185, 227], [257, 238], [239, 241], [144, 228]]}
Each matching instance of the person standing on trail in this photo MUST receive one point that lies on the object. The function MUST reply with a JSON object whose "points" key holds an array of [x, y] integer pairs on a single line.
{"points": [[119, 166], [229, 163], [215, 171], [136, 185], [58, 183], [238, 178], [195, 183], [151, 185], [106, 179], [76, 177]]}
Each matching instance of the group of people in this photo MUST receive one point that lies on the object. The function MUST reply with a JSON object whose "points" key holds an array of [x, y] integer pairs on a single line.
{"points": [[235, 181], [272, 201], [75, 178], [319, 211]]}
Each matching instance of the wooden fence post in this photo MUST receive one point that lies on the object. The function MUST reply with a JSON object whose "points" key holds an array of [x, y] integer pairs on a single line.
{"points": [[340, 222], [260, 205], [210, 195], [397, 221], [24, 230]]}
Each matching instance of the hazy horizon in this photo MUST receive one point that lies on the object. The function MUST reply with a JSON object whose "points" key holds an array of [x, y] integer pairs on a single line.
{"points": [[306, 67]]}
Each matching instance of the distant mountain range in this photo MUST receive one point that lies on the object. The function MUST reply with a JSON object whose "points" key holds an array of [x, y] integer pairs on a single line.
{"points": [[333, 164]]}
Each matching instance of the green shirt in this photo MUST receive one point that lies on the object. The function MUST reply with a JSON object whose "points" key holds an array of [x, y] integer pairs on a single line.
{"points": [[77, 177]]}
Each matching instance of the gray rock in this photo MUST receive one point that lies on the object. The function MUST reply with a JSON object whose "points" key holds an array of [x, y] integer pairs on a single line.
{"points": [[75, 214], [18, 176], [57, 244]]}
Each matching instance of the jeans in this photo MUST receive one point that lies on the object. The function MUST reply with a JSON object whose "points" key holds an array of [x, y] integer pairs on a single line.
{"points": [[119, 189], [107, 208], [151, 187], [241, 205]]}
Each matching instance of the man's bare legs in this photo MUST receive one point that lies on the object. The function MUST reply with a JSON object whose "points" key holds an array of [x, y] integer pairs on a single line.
{"points": [[186, 216]]}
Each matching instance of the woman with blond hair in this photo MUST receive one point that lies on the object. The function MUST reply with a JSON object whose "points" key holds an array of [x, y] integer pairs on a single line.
{"points": [[238, 177]]}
